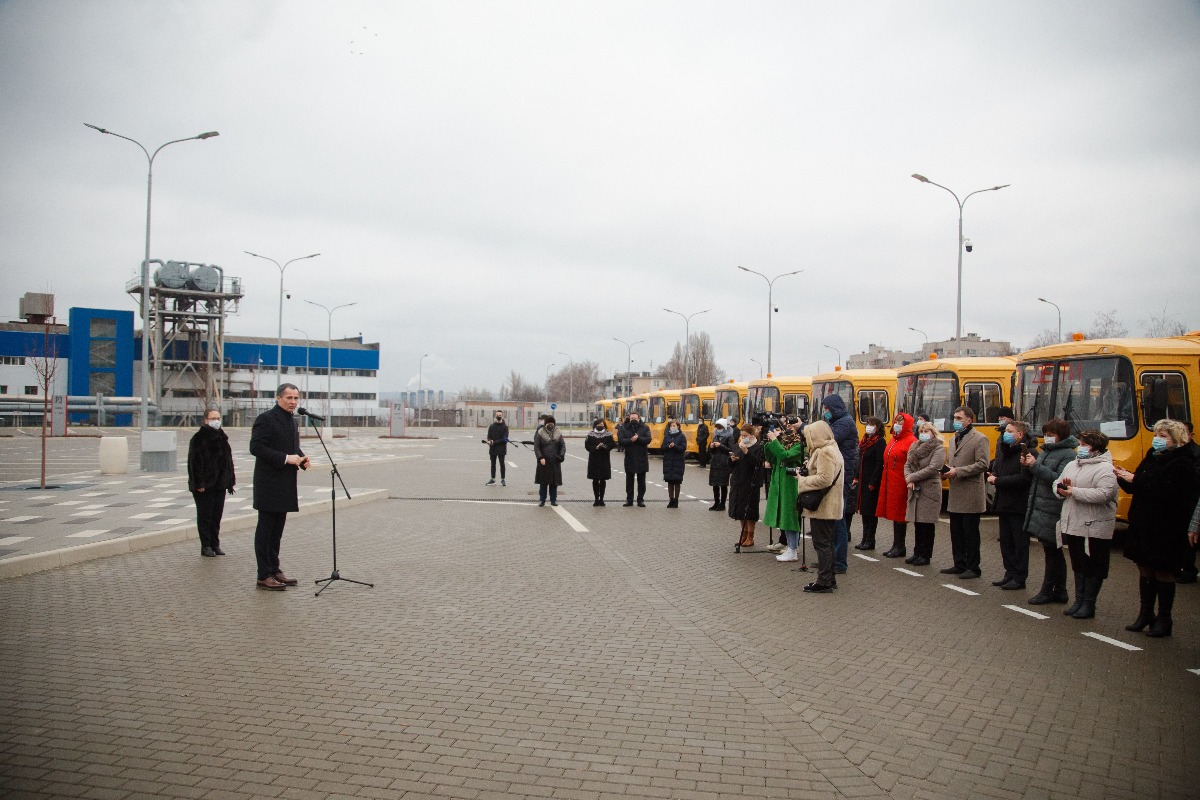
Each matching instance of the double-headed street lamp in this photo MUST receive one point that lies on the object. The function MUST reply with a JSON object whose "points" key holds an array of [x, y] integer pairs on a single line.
{"points": [[279, 343], [146, 264], [628, 362], [770, 303], [329, 358], [687, 338], [961, 203], [1059, 310]]}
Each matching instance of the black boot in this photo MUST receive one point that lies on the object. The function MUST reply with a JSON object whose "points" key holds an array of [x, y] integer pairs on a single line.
{"points": [[716, 506], [1046, 593], [1070, 612], [898, 549], [1091, 590], [1166, 601], [1147, 591]]}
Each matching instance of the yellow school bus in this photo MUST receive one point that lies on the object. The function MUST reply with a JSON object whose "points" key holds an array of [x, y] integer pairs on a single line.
{"points": [[695, 404], [866, 392], [1119, 387], [939, 385], [640, 404], [730, 401], [607, 411], [791, 396], [664, 405]]}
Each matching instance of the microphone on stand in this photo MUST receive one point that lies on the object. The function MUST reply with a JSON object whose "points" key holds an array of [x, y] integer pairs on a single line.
{"points": [[304, 412]]}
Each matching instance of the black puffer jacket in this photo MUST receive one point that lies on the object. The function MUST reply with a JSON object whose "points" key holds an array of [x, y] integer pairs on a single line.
{"points": [[210, 461], [1012, 479], [1042, 507], [1164, 496]]}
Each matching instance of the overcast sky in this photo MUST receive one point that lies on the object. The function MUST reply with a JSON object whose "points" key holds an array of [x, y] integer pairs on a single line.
{"points": [[493, 183]]}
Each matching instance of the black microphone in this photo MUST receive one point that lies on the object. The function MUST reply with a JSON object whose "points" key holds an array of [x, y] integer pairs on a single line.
{"points": [[304, 412]]}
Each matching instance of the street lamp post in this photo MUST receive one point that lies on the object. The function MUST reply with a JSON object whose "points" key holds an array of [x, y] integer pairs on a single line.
{"points": [[770, 303], [961, 203], [279, 343], [628, 362], [924, 335], [760, 369], [570, 385], [421, 387], [307, 368], [1059, 310], [548, 366], [329, 359], [834, 349], [145, 274], [687, 339]]}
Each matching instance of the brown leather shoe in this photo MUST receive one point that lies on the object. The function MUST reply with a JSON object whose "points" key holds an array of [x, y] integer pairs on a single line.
{"points": [[271, 584], [285, 580]]}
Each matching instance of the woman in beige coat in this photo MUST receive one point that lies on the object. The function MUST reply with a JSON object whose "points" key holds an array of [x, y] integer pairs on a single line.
{"points": [[923, 476], [1088, 489], [825, 473]]}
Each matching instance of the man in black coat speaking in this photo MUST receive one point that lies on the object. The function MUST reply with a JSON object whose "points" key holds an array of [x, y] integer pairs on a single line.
{"points": [[275, 445], [634, 437]]}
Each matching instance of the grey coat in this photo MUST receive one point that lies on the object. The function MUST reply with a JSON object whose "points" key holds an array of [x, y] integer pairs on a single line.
{"points": [[550, 446], [924, 468], [1044, 506], [968, 488]]}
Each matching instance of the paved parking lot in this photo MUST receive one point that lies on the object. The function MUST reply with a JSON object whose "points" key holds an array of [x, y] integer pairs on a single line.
{"points": [[508, 650]]}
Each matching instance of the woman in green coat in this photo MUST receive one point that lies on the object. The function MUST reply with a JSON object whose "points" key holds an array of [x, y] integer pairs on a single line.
{"points": [[785, 449]]}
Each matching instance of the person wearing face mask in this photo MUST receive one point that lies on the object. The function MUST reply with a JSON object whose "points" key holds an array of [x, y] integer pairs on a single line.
{"points": [[845, 433], [825, 472], [674, 453], [634, 437], [1043, 507], [968, 460], [599, 445], [1004, 415], [870, 476], [550, 451], [1164, 494], [893, 488], [702, 438], [721, 447], [1088, 489], [210, 477], [497, 440], [784, 450], [923, 480], [745, 483], [1012, 480]]}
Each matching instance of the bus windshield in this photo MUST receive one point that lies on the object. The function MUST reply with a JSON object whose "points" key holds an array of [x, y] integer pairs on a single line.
{"points": [[691, 409], [1089, 393], [822, 389], [934, 394], [658, 410], [727, 405], [764, 400]]}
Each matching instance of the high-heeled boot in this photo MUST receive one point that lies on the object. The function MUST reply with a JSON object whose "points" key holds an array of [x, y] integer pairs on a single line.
{"points": [[1166, 602], [1070, 612], [1091, 590], [1147, 592], [898, 549]]}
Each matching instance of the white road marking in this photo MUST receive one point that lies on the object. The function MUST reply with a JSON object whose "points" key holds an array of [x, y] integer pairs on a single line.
{"points": [[1194, 671], [864, 558], [692, 497], [114, 483], [489, 502], [169, 521], [513, 465], [19, 519], [93, 513], [1026, 612], [71, 503], [146, 515], [86, 534], [575, 524], [914, 573], [14, 539], [140, 491], [1113, 642], [961, 589], [92, 494], [93, 506]]}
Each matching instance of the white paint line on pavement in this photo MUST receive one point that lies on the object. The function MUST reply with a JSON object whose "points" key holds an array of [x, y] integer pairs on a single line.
{"points": [[1027, 612], [18, 519], [864, 558], [575, 524], [961, 589], [170, 521], [146, 515], [581, 458], [86, 534], [92, 494], [692, 497], [93, 513], [1113, 642], [41, 497], [15, 539], [114, 483], [140, 491], [93, 506], [1194, 671], [71, 503], [914, 573], [513, 465], [489, 502]]}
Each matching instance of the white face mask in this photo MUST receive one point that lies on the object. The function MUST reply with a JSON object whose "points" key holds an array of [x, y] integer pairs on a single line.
{"points": [[213, 423], [870, 430], [747, 440], [898, 427], [925, 437], [1050, 438]]}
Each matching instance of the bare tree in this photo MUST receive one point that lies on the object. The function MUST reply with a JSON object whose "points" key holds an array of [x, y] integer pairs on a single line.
{"points": [[1163, 324], [475, 393], [584, 382], [1106, 325], [517, 388], [45, 367], [702, 364], [1046, 337]]}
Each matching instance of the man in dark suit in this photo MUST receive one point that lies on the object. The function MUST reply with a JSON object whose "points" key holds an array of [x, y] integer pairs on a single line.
{"points": [[275, 445]]}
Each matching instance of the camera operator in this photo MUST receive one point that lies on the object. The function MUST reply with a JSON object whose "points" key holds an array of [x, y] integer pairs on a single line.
{"points": [[784, 451]]}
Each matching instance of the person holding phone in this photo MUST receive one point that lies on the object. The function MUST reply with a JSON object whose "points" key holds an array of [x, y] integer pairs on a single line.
{"points": [[1043, 507], [1012, 480], [1088, 490]]}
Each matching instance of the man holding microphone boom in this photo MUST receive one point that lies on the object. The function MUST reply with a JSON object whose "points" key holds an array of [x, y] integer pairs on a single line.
{"points": [[275, 445]]}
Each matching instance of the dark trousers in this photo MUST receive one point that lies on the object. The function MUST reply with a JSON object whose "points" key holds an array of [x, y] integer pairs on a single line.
{"points": [[496, 458], [267, 537], [1056, 565], [964, 541], [210, 505], [924, 536], [841, 542], [553, 487], [1090, 566], [1014, 546], [823, 533], [598, 489], [641, 486], [869, 525]]}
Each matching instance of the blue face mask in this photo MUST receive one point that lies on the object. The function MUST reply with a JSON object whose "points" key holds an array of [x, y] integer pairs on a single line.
{"points": [[1009, 438], [958, 426], [1159, 443], [1083, 451], [827, 416]]}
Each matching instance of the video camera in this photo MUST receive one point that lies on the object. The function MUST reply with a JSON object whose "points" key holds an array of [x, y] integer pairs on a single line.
{"points": [[771, 420]]}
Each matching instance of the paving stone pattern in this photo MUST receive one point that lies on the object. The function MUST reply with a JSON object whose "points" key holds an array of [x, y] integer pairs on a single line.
{"points": [[503, 654]]}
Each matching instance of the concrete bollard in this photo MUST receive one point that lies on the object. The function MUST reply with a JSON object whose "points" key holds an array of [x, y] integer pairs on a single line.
{"points": [[114, 455]]}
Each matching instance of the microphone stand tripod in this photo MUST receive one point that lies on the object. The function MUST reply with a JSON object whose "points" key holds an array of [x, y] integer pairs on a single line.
{"points": [[334, 474]]}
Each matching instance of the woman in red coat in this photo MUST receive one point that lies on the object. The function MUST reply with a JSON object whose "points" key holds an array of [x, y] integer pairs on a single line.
{"points": [[893, 489]]}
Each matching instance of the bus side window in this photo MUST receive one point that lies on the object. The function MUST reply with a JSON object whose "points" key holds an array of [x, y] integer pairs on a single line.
{"points": [[984, 399], [872, 403], [1164, 396]]}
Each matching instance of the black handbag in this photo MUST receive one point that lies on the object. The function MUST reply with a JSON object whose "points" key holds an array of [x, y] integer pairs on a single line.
{"points": [[810, 500]]}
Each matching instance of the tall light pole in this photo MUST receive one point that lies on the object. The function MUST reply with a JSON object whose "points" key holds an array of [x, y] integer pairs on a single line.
{"points": [[687, 338], [1059, 310], [834, 349], [570, 384], [146, 264], [421, 387], [307, 368], [628, 362], [770, 303], [760, 370], [329, 359], [548, 366], [961, 203], [279, 343]]}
